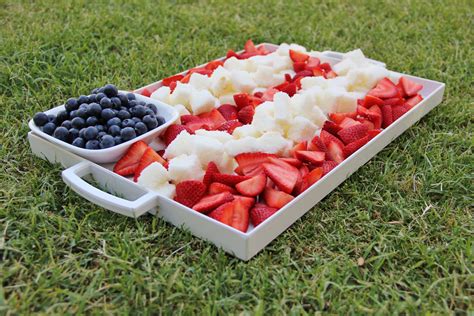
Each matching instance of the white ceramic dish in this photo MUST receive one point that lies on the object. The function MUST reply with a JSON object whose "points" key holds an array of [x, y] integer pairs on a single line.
{"points": [[112, 154]]}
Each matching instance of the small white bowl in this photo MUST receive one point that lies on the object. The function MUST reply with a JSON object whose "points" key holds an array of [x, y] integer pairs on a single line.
{"points": [[112, 154]]}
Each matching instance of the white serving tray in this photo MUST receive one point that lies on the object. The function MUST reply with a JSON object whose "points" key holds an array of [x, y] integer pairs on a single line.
{"points": [[135, 201]]}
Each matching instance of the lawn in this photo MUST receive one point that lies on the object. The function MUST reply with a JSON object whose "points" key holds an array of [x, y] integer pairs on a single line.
{"points": [[407, 213]]}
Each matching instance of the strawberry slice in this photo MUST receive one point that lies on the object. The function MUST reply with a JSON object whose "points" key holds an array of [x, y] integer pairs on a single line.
{"points": [[387, 115], [248, 202], [348, 122], [384, 89], [260, 212], [240, 216], [228, 111], [370, 100], [409, 87], [299, 66], [172, 132], [366, 122], [249, 47], [229, 179], [290, 89], [210, 171], [292, 161], [189, 192], [145, 92], [252, 171], [148, 157], [314, 157], [213, 65], [327, 138], [335, 151], [331, 127], [312, 63], [229, 126], [127, 165], [210, 202], [375, 116], [284, 177], [167, 81], [269, 93], [253, 186], [394, 101], [186, 78], [414, 101], [297, 56], [355, 145], [245, 114], [373, 133], [398, 111], [299, 146], [317, 144], [213, 119], [328, 166], [313, 177], [241, 100], [353, 133], [339, 117], [216, 187], [231, 53], [300, 75], [251, 159], [282, 86], [188, 118], [223, 213], [276, 199]]}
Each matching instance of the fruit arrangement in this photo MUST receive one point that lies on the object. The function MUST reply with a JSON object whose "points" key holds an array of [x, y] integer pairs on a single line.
{"points": [[259, 128], [103, 119]]}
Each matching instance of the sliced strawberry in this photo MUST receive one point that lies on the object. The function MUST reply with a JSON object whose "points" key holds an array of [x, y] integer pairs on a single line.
{"points": [[188, 118], [348, 122], [312, 63], [284, 177], [318, 71], [145, 92], [409, 87], [335, 151], [298, 56], [231, 53], [303, 170], [249, 47], [216, 187], [250, 159], [398, 111], [172, 85], [186, 78], [148, 157], [292, 161], [290, 89], [314, 176], [414, 101], [240, 217], [371, 134], [282, 86], [328, 166], [384, 89], [370, 100], [339, 117], [245, 114], [387, 115], [375, 115], [327, 138], [366, 122], [253, 186], [210, 202], [354, 146], [331, 127], [229, 179], [276, 199], [172, 132], [213, 65], [260, 212], [394, 101], [299, 66], [213, 119], [193, 126], [228, 111], [169, 80], [210, 171], [268, 94], [229, 126], [314, 157], [241, 100], [326, 67], [127, 165], [254, 171], [299, 146], [318, 144], [200, 70], [300, 75], [353, 133], [223, 213], [189, 192], [248, 202]]}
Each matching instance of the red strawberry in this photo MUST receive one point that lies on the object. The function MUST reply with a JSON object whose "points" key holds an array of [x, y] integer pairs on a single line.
{"points": [[172, 86], [188, 118], [299, 66], [250, 159], [240, 216], [339, 117], [366, 122], [398, 111], [394, 101], [283, 176], [197, 124], [304, 170], [335, 151], [210, 171], [299, 146], [298, 56], [252, 171], [312, 63], [228, 111], [229, 179], [331, 127], [313, 176], [326, 67], [409, 87], [268, 94], [414, 101], [172, 132], [290, 89], [210, 202], [245, 114], [229, 126], [127, 165], [241, 100], [282, 86], [314, 157], [355, 145], [186, 78], [231, 53], [318, 144], [248, 202], [328, 166], [348, 122], [189, 192], [327, 138], [276, 199], [213, 65], [375, 115], [253, 186], [169, 80], [249, 47], [216, 187], [145, 92], [260, 212], [223, 213], [292, 161], [353, 133], [300, 75], [384, 89], [387, 115], [370, 100], [213, 119], [373, 133], [148, 157]]}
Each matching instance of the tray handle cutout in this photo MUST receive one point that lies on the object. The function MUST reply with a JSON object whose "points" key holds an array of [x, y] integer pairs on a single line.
{"points": [[136, 201]]}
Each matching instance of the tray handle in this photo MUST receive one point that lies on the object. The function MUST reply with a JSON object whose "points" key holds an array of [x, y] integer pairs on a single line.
{"points": [[137, 200], [338, 55]]}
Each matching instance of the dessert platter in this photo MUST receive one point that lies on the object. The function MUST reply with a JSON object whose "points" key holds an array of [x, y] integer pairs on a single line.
{"points": [[235, 150]]}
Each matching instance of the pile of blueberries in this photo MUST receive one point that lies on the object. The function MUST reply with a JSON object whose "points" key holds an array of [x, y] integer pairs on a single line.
{"points": [[103, 119]]}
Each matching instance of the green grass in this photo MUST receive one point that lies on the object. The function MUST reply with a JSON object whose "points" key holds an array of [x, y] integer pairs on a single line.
{"points": [[408, 212]]}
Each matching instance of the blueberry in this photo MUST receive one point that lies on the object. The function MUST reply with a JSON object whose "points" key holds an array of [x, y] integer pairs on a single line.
{"points": [[92, 120], [132, 103], [128, 123], [152, 107], [123, 99], [78, 122], [117, 140], [61, 116], [123, 115], [107, 114], [82, 99], [90, 133], [40, 119], [67, 124], [150, 121], [140, 128], [99, 96], [128, 133], [92, 144], [78, 142], [82, 112], [71, 105], [73, 133], [107, 141], [110, 90], [81, 132], [61, 133], [116, 103], [52, 118], [160, 119], [141, 103], [131, 96], [95, 91], [138, 111], [114, 130], [73, 114], [100, 90], [105, 103], [136, 119], [100, 127], [92, 97], [114, 121], [100, 135], [94, 109], [49, 128], [149, 112]]}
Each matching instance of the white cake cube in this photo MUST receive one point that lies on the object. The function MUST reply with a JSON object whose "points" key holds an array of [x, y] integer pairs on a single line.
{"points": [[202, 101], [162, 94], [222, 137], [182, 144], [274, 143], [242, 81], [166, 189], [182, 110], [301, 129], [181, 94], [245, 130], [153, 176], [243, 145], [185, 167], [221, 83], [207, 149], [200, 82]]}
